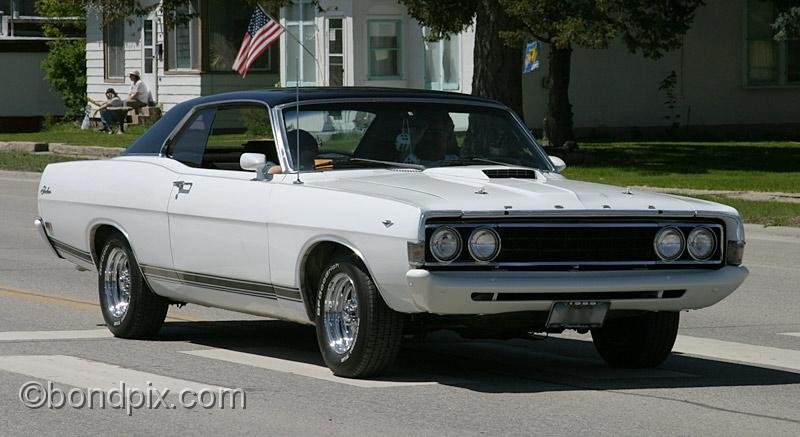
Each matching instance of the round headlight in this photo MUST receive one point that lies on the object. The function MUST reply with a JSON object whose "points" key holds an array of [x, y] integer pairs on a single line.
{"points": [[484, 244], [669, 243], [445, 244], [701, 243]]}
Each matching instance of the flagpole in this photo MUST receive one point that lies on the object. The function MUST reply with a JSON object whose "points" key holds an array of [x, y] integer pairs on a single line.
{"points": [[286, 31]]}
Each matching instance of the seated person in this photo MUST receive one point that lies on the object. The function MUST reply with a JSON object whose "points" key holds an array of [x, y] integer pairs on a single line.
{"points": [[434, 141], [309, 149], [139, 94], [108, 118]]}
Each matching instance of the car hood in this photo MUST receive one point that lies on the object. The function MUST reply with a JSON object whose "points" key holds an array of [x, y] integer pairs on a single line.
{"points": [[470, 189]]}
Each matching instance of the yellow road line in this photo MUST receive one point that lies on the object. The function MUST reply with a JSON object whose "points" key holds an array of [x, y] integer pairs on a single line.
{"points": [[71, 302]]}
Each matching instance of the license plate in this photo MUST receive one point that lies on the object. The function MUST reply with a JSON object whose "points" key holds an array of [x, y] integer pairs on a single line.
{"points": [[577, 314]]}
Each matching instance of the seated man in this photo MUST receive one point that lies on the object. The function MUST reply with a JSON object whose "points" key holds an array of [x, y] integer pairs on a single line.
{"points": [[309, 149], [139, 95], [107, 117]]}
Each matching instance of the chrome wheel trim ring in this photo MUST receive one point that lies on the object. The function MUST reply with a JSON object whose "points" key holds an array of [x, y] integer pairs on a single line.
{"points": [[340, 314], [117, 283]]}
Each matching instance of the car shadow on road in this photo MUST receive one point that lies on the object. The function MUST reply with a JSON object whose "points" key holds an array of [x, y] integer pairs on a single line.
{"points": [[489, 366]]}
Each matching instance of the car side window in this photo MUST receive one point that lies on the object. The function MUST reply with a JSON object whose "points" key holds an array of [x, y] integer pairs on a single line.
{"points": [[236, 130], [190, 144]]}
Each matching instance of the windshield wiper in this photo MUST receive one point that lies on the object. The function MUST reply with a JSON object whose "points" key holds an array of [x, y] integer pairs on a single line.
{"points": [[472, 159], [390, 163]]}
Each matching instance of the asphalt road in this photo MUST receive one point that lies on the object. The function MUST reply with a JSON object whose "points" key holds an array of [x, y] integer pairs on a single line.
{"points": [[737, 371]]}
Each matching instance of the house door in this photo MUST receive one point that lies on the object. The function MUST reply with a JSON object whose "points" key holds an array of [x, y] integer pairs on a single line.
{"points": [[334, 68], [149, 57]]}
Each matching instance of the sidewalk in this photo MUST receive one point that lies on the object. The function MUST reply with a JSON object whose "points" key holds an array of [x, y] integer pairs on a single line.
{"points": [[761, 196], [61, 149]]}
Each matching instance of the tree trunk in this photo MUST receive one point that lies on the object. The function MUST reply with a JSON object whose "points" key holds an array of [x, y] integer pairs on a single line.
{"points": [[559, 110], [498, 66]]}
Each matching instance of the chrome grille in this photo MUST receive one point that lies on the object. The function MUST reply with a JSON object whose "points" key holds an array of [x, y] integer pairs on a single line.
{"points": [[578, 244]]}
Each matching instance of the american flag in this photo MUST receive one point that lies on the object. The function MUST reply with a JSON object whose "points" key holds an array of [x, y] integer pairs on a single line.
{"points": [[261, 33]]}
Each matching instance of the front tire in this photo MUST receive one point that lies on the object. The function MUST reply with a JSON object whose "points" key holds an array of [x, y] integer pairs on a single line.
{"points": [[639, 342], [129, 308], [358, 334]]}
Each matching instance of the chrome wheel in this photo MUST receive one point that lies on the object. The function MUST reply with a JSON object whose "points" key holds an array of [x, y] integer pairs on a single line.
{"points": [[340, 313], [117, 283]]}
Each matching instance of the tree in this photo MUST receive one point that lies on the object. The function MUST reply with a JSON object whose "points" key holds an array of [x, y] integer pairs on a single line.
{"points": [[787, 24], [651, 27], [174, 11], [498, 62], [65, 63]]}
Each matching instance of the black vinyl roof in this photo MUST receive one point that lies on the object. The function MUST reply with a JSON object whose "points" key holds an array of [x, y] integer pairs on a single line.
{"points": [[150, 143], [279, 96]]}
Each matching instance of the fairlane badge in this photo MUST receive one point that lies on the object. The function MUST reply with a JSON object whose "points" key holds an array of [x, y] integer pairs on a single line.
{"points": [[45, 190]]}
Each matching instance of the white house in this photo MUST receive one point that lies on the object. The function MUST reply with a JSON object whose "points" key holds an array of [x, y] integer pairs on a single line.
{"points": [[354, 42]]}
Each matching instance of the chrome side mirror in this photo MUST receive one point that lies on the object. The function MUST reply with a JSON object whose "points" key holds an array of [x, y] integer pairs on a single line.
{"points": [[558, 163], [256, 162]]}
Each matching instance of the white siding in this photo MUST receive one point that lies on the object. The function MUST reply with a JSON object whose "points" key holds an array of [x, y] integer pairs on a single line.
{"points": [[169, 90]]}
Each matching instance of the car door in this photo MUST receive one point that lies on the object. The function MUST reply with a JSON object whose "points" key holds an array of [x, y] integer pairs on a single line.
{"points": [[218, 213]]}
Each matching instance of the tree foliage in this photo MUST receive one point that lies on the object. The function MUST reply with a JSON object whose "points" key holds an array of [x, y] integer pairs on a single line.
{"points": [[65, 64], [787, 25], [651, 27], [174, 11]]}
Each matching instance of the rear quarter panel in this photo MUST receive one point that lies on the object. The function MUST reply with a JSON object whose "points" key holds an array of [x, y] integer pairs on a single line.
{"points": [[129, 195]]}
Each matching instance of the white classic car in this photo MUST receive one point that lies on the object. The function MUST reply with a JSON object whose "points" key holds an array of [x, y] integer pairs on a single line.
{"points": [[376, 213]]}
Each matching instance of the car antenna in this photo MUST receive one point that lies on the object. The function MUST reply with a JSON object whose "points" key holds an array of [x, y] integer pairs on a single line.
{"points": [[297, 117]]}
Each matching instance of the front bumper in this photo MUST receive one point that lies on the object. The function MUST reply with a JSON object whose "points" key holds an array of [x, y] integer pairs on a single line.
{"points": [[452, 292]]}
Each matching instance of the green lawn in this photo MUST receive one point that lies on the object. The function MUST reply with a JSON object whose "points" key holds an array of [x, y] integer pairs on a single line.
{"points": [[28, 161], [69, 134], [747, 166], [765, 213]]}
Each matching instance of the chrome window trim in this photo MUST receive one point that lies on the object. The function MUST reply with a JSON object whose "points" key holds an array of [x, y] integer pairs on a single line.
{"points": [[189, 114], [442, 100]]}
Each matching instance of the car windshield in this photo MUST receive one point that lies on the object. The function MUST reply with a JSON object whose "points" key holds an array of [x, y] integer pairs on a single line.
{"points": [[350, 135]]}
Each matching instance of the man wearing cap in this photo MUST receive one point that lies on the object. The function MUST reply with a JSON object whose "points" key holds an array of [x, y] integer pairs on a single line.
{"points": [[139, 96]]}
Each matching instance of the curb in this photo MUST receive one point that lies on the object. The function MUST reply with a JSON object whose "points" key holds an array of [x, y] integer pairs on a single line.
{"points": [[61, 149]]}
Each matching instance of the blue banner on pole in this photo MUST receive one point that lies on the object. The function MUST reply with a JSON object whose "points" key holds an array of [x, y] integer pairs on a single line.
{"points": [[531, 57]]}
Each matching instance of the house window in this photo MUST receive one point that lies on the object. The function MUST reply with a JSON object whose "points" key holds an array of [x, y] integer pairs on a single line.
{"points": [[300, 64], [384, 57], [226, 26], [442, 63], [114, 50], [335, 52], [769, 62], [183, 43]]}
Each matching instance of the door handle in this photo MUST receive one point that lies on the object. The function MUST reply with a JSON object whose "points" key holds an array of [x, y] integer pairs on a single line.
{"points": [[183, 187]]}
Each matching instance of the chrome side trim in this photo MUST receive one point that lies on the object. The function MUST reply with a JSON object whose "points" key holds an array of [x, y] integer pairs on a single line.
{"points": [[72, 252], [39, 223], [220, 283]]}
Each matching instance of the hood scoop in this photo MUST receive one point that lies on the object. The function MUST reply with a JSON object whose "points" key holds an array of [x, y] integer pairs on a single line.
{"points": [[508, 173]]}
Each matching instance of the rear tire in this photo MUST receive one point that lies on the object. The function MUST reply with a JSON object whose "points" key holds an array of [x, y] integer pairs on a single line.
{"points": [[637, 342], [358, 334], [129, 308]]}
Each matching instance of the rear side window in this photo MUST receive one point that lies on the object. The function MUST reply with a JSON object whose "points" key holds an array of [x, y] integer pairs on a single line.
{"points": [[190, 144]]}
